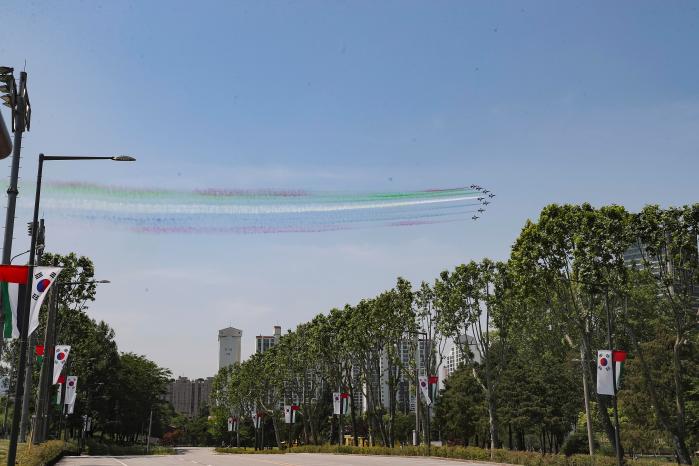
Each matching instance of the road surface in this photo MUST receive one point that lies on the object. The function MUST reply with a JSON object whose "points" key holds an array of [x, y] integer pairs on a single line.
{"points": [[208, 457]]}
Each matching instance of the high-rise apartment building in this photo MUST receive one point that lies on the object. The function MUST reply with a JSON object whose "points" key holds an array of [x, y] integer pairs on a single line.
{"points": [[265, 342], [229, 346], [189, 397], [455, 358]]}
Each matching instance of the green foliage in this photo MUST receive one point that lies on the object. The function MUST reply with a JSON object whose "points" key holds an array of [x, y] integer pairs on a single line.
{"points": [[528, 330], [576, 444], [93, 447], [40, 455]]}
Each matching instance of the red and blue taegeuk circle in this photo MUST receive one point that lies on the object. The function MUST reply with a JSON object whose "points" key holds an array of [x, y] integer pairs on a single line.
{"points": [[60, 356], [603, 362], [41, 285]]}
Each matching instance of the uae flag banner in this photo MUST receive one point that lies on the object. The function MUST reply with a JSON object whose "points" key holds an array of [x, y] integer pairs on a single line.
{"points": [[61, 381], [344, 403], [619, 361], [13, 288], [340, 403], [59, 360], [258, 419], [290, 413], [423, 380], [235, 424], [434, 387], [71, 389], [39, 350], [605, 379]]}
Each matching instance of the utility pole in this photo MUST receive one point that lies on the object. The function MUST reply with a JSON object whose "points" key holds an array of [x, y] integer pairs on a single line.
{"points": [[150, 426], [21, 117], [416, 433], [46, 376], [617, 433], [24, 424]]}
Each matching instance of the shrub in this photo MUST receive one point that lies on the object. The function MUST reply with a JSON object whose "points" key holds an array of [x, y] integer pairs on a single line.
{"points": [[97, 448], [42, 454], [524, 458], [576, 443]]}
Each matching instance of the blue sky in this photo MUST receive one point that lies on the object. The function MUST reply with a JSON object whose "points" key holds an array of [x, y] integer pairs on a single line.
{"points": [[539, 101]]}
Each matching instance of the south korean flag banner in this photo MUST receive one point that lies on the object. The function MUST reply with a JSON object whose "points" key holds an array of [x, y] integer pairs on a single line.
{"points": [[230, 424], [60, 356], [424, 388], [258, 419], [337, 407], [71, 389], [604, 373], [43, 279]]}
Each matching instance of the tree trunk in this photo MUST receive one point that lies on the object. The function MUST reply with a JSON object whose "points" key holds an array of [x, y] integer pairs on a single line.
{"points": [[493, 421], [352, 413], [509, 435], [276, 432], [678, 436]]}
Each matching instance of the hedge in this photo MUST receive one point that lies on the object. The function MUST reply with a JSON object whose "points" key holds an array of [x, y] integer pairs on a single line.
{"points": [[47, 453], [97, 448], [524, 458]]}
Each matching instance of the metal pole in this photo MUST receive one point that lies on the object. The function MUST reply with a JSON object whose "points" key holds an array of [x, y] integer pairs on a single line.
{"points": [[416, 434], [19, 392], [28, 376], [63, 405], [14, 176], [339, 418], [45, 378], [29, 373], [427, 435], [587, 403], [150, 426], [617, 436]]}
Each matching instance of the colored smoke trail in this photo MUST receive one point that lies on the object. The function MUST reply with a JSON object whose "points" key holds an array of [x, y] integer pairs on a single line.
{"points": [[235, 211]]}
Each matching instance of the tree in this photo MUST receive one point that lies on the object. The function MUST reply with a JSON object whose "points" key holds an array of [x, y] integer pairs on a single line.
{"points": [[461, 410], [474, 303], [573, 258], [667, 241]]}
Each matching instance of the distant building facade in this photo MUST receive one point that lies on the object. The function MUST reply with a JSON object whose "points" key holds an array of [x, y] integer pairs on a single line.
{"points": [[265, 342], [455, 357], [229, 346], [189, 397]]}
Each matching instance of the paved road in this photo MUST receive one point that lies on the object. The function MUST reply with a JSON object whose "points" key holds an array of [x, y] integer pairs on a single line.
{"points": [[207, 457]]}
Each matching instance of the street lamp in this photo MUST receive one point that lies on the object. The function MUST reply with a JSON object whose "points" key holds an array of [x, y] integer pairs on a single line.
{"points": [[39, 432], [19, 389]]}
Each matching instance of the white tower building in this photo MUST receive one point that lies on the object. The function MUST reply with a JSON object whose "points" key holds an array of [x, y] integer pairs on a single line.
{"points": [[229, 346]]}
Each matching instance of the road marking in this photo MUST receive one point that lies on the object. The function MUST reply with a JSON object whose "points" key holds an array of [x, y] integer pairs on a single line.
{"points": [[121, 463]]}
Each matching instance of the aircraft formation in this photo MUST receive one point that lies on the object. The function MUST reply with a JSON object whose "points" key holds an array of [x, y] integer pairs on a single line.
{"points": [[487, 194]]}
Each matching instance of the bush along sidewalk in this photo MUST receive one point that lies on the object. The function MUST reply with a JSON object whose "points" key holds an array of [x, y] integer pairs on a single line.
{"points": [[45, 454], [524, 458], [98, 448]]}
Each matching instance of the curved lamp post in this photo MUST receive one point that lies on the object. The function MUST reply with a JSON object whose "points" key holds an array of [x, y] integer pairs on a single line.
{"points": [[19, 388]]}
